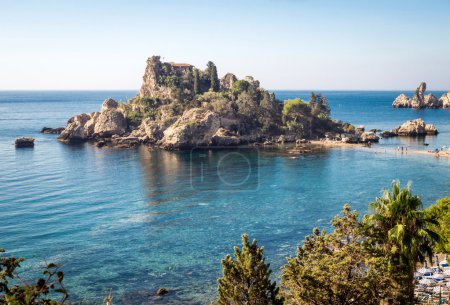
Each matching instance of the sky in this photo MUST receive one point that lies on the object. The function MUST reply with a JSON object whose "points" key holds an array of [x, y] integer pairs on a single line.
{"points": [[286, 44]]}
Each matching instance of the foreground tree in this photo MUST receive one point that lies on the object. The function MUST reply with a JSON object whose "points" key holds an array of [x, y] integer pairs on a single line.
{"points": [[440, 211], [400, 230], [23, 293], [246, 278], [336, 268]]}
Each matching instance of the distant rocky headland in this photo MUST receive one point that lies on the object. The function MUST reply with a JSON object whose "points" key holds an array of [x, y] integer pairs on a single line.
{"points": [[419, 100], [180, 107]]}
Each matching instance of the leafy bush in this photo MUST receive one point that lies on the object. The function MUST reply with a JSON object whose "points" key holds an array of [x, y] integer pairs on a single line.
{"points": [[30, 294], [171, 81], [239, 87], [147, 103]]}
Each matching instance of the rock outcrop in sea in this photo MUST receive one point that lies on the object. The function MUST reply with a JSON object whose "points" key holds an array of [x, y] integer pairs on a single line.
{"points": [[415, 127], [421, 100], [180, 107], [108, 122], [24, 142]]}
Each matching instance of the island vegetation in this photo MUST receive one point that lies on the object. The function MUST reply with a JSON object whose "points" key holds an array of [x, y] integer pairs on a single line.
{"points": [[363, 260]]}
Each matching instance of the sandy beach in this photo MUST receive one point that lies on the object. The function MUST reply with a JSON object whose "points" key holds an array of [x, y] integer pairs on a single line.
{"points": [[377, 149]]}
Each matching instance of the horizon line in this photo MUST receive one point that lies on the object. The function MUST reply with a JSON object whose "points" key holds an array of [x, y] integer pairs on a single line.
{"points": [[137, 90]]}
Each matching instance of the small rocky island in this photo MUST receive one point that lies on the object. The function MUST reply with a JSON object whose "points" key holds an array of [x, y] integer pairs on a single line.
{"points": [[180, 107], [420, 101], [411, 128]]}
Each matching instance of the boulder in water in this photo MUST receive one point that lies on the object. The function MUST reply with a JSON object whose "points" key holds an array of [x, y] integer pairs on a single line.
{"points": [[49, 130], [24, 142]]}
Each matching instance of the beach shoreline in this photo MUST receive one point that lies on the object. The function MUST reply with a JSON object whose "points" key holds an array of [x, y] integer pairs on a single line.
{"points": [[377, 149]]}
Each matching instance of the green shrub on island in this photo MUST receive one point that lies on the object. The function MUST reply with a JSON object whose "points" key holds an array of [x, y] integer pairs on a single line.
{"points": [[239, 87], [14, 290], [213, 77], [246, 278]]}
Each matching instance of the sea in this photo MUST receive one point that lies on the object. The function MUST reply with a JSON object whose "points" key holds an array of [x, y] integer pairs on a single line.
{"points": [[135, 220]]}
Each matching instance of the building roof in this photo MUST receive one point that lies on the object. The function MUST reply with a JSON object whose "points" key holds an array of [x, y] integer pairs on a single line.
{"points": [[180, 65]]}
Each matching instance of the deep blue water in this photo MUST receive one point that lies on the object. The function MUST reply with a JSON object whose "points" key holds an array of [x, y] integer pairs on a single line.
{"points": [[135, 220]]}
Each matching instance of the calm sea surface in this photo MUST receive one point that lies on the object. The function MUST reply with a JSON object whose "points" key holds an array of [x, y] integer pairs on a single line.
{"points": [[135, 220]]}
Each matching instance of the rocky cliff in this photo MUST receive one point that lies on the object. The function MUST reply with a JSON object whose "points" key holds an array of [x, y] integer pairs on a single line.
{"points": [[419, 100]]}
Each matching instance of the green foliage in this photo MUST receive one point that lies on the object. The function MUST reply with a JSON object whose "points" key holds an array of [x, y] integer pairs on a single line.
{"points": [[247, 105], [294, 108], [30, 294], [213, 77], [196, 82], [440, 211], [336, 268], [400, 230], [219, 102], [171, 81], [246, 278], [312, 99], [319, 105], [348, 128], [239, 87], [296, 115], [148, 103], [134, 118]]}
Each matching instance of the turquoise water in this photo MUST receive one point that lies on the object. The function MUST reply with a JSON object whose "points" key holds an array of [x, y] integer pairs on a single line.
{"points": [[135, 220]]}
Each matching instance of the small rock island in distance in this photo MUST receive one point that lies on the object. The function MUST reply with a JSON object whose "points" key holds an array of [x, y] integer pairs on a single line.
{"points": [[419, 100]]}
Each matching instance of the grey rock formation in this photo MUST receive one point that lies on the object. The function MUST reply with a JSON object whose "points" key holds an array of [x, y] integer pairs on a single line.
{"points": [[111, 121], [224, 137], [227, 81], [402, 101], [158, 76], [412, 128], [289, 138], [154, 129], [369, 136], [431, 101], [195, 127], [415, 127], [445, 100], [48, 130], [430, 129], [419, 100], [74, 131]]}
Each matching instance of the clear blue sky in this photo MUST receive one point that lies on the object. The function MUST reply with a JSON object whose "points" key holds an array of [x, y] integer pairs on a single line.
{"points": [[286, 44]]}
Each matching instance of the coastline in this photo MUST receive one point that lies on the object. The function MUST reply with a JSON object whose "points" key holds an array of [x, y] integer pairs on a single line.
{"points": [[376, 149]]}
